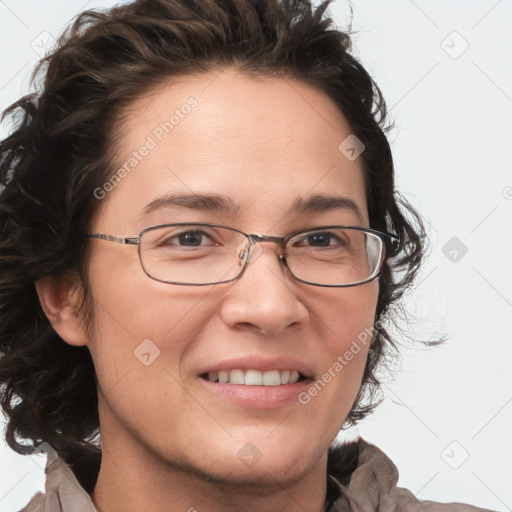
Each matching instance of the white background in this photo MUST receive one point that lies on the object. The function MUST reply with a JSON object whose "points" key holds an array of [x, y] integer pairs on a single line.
{"points": [[453, 112]]}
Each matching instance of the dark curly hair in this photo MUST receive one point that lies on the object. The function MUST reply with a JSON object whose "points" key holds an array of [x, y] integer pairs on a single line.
{"points": [[63, 147]]}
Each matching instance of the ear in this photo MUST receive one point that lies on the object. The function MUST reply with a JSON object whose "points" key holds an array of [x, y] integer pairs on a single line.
{"points": [[59, 298]]}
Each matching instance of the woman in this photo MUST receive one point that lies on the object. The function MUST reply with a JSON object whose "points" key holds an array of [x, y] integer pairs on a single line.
{"points": [[201, 243]]}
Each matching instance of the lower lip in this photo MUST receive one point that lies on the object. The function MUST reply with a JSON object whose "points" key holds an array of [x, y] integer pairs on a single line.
{"points": [[258, 397]]}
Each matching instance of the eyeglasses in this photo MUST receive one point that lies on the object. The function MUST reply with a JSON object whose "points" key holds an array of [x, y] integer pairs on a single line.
{"points": [[203, 254]]}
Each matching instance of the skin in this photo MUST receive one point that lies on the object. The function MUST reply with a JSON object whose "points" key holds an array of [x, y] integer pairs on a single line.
{"points": [[264, 142]]}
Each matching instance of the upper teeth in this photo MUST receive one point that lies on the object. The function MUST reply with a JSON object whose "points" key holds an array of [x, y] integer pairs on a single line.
{"points": [[255, 377]]}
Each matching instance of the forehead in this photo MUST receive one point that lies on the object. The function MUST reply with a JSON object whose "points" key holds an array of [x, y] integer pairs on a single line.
{"points": [[262, 143]]}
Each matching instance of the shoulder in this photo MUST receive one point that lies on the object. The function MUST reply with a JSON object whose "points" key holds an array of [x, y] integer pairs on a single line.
{"points": [[36, 504], [363, 479], [63, 492]]}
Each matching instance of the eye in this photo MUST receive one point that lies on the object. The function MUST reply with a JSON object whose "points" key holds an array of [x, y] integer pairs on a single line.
{"points": [[321, 239], [191, 238]]}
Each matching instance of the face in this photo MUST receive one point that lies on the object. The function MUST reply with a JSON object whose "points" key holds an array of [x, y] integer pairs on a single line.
{"points": [[263, 144]]}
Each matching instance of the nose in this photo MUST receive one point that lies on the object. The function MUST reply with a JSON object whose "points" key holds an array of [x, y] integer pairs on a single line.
{"points": [[264, 298]]}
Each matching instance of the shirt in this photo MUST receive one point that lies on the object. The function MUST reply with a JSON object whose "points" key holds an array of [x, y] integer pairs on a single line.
{"points": [[360, 478]]}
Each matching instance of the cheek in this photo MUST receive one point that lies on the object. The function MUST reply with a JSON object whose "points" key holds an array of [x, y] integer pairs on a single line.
{"points": [[347, 325], [142, 325], [344, 320], [346, 314]]}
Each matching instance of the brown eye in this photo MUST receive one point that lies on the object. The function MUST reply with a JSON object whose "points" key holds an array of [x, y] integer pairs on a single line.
{"points": [[321, 239]]}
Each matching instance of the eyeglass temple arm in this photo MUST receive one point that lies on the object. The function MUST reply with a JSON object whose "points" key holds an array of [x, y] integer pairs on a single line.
{"points": [[113, 238], [396, 243]]}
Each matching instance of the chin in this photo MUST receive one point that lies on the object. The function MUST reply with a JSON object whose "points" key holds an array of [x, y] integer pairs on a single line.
{"points": [[260, 478], [248, 469]]}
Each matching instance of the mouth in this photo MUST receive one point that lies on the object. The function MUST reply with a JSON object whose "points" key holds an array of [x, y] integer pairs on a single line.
{"points": [[272, 378], [252, 381], [254, 389]]}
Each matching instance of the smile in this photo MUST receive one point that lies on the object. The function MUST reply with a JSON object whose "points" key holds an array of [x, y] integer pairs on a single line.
{"points": [[254, 377]]}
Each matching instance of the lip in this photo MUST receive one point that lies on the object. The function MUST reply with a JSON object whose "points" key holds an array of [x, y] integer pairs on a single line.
{"points": [[257, 397], [255, 362]]}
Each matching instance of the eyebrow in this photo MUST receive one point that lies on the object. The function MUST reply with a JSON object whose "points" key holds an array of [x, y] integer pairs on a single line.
{"points": [[220, 203], [205, 202], [323, 203]]}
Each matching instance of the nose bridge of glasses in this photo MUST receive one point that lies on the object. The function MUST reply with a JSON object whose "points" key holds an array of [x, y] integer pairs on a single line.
{"points": [[254, 248], [267, 238]]}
